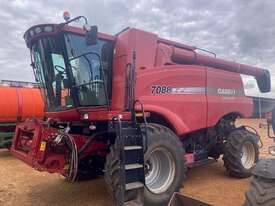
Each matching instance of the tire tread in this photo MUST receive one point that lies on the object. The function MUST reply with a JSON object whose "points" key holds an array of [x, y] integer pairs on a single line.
{"points": [[232, 149], [261, 193]]}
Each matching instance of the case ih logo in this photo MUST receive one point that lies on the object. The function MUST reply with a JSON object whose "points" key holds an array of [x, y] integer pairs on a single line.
{"points": [[223, 91]]}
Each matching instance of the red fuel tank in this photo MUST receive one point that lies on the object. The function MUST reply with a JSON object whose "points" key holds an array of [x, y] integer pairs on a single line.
{"points": [[19, 103]]}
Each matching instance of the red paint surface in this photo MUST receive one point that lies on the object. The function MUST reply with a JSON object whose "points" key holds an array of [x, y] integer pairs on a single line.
{"points": [[154, 64]]}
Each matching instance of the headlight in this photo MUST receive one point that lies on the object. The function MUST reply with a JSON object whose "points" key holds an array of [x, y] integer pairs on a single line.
{"points": [[86, 116]]}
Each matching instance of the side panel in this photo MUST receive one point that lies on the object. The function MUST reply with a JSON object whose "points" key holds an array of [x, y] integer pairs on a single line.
{"points": [[176, 92], [225, 94], [144, 44]]}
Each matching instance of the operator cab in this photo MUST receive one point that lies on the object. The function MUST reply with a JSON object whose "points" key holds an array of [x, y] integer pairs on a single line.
{"points": [[71, 72]]}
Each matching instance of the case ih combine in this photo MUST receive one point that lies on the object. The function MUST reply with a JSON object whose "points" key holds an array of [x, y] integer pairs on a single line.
{"points": [[19, 101], [135, 107]]}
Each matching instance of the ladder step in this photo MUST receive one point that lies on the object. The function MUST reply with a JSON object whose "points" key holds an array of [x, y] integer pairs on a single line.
{"points": [[135, 147], [133, 166], [130, 132], [130, 129], [134, 185]]}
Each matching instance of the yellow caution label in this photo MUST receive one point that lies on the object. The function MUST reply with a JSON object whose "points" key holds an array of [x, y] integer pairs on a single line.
{"points": [[67, 166], [140, 114], [43, 146]]}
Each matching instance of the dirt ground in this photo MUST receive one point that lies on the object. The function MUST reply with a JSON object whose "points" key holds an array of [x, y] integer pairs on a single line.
{"points": [[21, 185]]}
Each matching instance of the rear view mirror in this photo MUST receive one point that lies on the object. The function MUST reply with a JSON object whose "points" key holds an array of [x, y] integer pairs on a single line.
{"points": [[264, 82], [91, 36]]}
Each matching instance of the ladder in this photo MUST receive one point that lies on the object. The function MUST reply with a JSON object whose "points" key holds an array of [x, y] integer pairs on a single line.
{"points": [[132, 177]]}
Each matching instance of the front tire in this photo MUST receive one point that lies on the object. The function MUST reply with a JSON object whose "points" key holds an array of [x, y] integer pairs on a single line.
{"points": [[164, 167], [164, 145], [241, 152]]}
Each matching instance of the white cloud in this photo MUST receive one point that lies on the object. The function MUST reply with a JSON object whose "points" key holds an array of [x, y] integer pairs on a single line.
{"points": [[233, 29]]}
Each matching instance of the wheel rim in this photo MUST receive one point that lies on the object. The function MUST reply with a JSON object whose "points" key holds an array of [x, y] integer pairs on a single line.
{"points": [[248, 155], [159, 170]]}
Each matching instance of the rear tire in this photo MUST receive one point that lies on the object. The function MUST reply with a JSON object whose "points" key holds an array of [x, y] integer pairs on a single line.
{"points": [[261, 192], [241, 152], [162, 144]]}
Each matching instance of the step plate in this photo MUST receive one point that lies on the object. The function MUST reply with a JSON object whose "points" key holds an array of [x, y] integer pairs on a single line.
{"points": [[134, 147], [133, 166], [134, 185]]}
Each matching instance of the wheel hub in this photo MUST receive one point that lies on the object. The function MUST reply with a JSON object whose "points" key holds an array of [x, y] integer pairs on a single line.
{"points": [[148, 167], [159, 170], [248, 155]]}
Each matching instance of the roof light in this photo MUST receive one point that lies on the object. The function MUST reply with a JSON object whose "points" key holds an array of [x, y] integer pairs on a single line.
{"points": [[31, 32], [37, 30], [66, 16], [48, 29]]}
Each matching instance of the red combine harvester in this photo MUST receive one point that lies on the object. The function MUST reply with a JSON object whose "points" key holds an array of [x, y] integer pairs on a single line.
{"points": [[19, 101], [135, 107]]}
